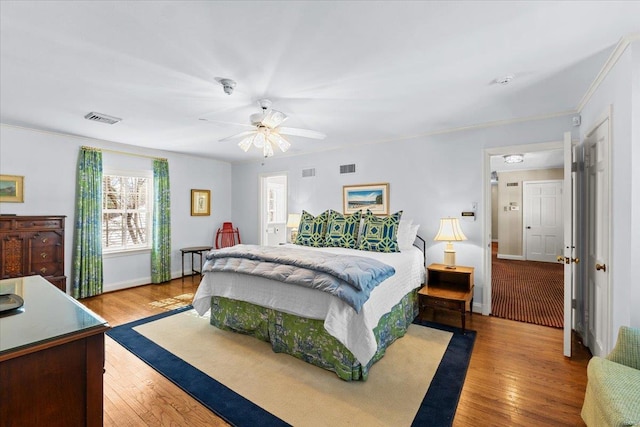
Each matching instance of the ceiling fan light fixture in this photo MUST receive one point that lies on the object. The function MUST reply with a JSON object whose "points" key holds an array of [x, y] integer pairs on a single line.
{"points": [[282, 143], [259, 140], [267, 149], [246, 143], [274, 118]]}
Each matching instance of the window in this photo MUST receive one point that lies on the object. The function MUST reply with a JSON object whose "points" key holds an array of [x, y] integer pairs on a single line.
{"points": [[126, 211]]}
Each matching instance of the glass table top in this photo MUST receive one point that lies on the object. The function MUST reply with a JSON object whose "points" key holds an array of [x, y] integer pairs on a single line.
{"points": [[47, 314]]}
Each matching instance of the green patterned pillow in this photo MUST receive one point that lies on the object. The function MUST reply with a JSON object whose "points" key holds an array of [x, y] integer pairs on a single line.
{"points": [[312, 229], [380, 234], [342, 230]]}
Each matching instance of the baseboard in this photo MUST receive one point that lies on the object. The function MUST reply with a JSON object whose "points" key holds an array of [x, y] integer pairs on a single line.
{"points": [[512, 257], [111, 287]]}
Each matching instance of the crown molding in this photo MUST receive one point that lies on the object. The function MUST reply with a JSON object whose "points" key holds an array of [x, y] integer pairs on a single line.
{"points": [[607, 67]]}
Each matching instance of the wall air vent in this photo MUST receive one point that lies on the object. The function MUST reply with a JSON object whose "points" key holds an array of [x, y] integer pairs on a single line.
{"points": [[348, 168], [307, 173], [102, 118], [512, 184]]}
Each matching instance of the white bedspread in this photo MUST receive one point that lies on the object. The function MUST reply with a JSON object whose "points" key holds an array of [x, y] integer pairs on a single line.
{"points": [[353, 330]]}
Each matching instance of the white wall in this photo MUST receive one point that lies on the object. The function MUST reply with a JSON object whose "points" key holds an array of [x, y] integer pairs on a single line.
{"points": [[48, 162], [618, 92], [634, 291], [429, 177]]}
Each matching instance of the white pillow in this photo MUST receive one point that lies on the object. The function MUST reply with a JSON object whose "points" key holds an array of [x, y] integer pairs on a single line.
{"points": [[407, 232]]}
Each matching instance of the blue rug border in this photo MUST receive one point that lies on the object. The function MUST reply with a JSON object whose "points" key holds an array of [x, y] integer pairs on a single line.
{"points": [[438, 407]]}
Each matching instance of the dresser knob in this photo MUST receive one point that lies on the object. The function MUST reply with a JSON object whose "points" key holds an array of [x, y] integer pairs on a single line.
{"points": [[45, 240], [43, 270], [43, 255]]}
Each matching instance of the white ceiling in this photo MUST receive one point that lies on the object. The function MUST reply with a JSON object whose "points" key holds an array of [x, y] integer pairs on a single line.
{"points": [[361, 72]]}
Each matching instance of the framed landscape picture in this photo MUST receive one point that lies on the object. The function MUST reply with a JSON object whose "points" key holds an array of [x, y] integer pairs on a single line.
{"points": [[11, 188], [374, 197], [200, 202]]}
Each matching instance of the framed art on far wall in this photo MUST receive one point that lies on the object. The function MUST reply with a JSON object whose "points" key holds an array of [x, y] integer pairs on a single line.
{"points": [[200, 202], [374, 197], [11, 188]]}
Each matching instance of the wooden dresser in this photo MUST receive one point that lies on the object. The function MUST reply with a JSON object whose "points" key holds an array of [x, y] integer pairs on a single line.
{"points": [[31, 245]]}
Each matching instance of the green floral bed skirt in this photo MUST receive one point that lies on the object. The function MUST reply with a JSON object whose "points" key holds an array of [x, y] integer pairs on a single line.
{"points": [[307, 339]]}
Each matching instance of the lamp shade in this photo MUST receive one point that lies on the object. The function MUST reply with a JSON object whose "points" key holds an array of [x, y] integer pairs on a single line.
{"points": [[293, 220], [450, 231]]}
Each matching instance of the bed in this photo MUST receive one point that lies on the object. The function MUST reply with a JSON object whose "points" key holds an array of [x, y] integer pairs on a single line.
{"points": [[316, 326]]}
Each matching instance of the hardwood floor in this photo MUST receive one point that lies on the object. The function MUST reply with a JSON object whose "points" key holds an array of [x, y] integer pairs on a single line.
{"points": [[517, 375]]}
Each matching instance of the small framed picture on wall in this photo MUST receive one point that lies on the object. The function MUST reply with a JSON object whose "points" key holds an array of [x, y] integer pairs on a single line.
{"points": [[200, 202], [11, 188]]}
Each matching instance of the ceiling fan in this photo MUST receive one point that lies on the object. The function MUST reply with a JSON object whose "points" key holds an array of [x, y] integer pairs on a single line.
{"points": [[268, 133]]}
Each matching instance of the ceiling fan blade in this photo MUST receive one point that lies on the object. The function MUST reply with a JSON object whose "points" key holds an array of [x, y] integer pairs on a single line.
{"points": [[302, 132], [238, 135]]}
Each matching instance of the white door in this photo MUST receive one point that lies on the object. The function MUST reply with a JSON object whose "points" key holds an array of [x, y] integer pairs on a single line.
{"points": [[598, 265], [569, 249], [542, 205], [273, 209]]}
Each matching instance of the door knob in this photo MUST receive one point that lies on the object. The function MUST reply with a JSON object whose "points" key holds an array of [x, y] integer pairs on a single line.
{"points": [[576, 260], [560, 258], [602, 267]]}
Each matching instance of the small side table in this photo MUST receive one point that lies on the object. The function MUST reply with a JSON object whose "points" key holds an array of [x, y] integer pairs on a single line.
{"points": [[193, 250], [449, 289]]}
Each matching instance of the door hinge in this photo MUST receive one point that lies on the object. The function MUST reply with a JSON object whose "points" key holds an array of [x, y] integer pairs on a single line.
{"points": [[574, 167], [573, 303]]}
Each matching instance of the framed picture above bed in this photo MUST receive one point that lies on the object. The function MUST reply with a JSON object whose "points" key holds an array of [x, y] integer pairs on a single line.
{"points": [[374, 197], [200, 202]]}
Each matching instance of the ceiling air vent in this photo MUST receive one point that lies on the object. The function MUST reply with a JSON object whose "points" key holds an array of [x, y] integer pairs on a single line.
{"points": [[307, 173], [102, 118], [348, 168]]}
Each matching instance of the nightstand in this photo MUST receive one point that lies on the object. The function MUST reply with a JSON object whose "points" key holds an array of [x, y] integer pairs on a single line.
{"points": [[448, 289]]}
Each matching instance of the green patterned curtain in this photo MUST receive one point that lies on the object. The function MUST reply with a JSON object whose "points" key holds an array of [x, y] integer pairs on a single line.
{"points": [[161, 242], [87, 244]]}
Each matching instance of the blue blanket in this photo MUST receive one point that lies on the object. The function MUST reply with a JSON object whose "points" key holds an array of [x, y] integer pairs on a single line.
{"points": [[350, 278]]}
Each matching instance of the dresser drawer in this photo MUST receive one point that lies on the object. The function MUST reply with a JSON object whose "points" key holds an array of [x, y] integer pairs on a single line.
{"points": [[46, 239], [47, 268], [40, 224]]}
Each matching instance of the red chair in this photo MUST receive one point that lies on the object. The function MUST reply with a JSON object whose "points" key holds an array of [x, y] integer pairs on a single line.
{"points": [[227, 236]]}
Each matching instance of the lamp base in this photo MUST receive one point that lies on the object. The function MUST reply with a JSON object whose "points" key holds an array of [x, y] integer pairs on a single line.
{"points": [[450, 259]]}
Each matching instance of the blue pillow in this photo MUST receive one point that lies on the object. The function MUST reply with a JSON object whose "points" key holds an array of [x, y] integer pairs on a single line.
{"points": [[380, 234], [312, 229], [342, 230]]}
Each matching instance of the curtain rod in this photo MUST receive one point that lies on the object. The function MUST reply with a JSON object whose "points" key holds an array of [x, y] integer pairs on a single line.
{"points": [[106, 150]]}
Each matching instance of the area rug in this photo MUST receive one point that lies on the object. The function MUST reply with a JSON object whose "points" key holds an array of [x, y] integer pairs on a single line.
{"points": [[528, 291], [241, 379]]}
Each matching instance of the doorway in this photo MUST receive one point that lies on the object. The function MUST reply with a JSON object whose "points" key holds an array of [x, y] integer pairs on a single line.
{"points": [[273, 208], [527, 282]]}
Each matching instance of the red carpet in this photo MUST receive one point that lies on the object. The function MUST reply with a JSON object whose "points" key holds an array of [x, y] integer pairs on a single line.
{"points": [[528, 291]]}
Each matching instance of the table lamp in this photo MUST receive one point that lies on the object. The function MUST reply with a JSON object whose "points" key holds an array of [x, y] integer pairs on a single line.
{"points": [[449, 232], [293, 222]]}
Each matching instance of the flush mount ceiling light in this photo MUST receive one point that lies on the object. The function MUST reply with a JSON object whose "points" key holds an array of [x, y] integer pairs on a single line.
{"points": [[514, 158]]}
